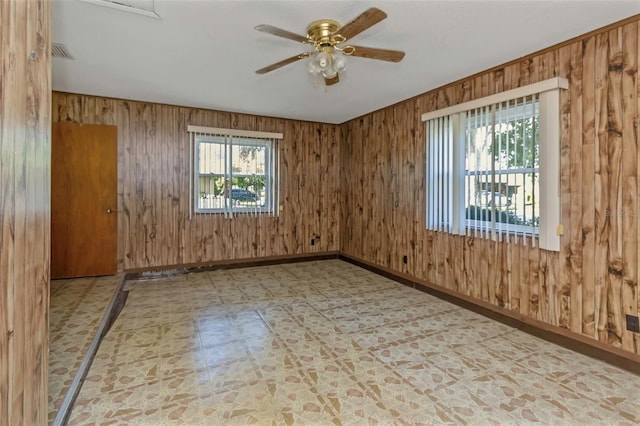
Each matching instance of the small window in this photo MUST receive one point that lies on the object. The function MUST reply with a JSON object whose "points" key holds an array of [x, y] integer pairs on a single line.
{"points": [[234, 174]]}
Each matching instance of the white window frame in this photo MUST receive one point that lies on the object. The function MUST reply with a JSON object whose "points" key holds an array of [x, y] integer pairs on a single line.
{"points": [[448, 196], [229, 175], [229, 138]]}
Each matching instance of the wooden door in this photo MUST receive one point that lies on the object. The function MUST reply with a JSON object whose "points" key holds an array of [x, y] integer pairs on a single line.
{"points": [[84, 222]]}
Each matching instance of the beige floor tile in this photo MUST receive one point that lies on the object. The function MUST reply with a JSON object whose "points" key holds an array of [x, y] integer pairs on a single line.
{"points": [[326, 342], [77, 308]]}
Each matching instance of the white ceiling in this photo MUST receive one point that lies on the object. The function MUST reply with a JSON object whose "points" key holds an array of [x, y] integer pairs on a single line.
{"points": [[204, 53]]}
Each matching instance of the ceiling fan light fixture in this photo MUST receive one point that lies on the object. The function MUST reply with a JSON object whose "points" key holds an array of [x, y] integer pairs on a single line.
{"points": [[326, 64], [328, 57]]}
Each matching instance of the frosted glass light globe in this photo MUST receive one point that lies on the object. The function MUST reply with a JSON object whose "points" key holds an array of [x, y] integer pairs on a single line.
{"points": [[340, 63]]}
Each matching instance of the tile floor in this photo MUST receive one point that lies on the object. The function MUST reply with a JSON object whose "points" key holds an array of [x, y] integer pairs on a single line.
{"points": [[76, 310], [327, 342]]}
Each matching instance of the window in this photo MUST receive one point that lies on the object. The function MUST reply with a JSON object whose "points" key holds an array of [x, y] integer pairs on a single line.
{"points": [[502, 167], [235, 172], [493, 165]]}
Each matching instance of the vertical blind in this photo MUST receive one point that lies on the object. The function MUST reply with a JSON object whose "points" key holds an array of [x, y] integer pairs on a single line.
{"points": [[492, 165], [501, 169], [439, 183]]}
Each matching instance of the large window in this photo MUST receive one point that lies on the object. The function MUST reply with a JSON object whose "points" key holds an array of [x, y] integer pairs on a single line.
{"points": [[235, 172], [502, 167], [493, 165]]}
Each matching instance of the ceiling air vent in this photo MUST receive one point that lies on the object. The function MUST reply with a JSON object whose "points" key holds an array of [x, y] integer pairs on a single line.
{"points": [[59, 50], [141, 7]]}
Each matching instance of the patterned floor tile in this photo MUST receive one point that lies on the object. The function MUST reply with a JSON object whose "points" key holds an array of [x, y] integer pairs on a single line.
{"points": [[134, 405], [328, 343], [182, 362], [107, 377], [77, 308]]}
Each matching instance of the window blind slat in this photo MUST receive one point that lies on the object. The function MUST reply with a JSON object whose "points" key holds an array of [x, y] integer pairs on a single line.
{"points": [[431, 174], [498, 168], [439, 177], [436, 177], [450, 175], [523, 156], [439, 174], [432, 200], [443, 176], [429, 170]]}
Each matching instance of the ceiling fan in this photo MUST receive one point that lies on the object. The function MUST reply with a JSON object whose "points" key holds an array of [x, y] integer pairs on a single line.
{"points": [[328, 38]]}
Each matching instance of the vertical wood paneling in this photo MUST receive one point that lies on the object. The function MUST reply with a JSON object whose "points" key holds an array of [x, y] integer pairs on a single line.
{"points": [[543, 295], [155, 226], [493, 268], [575, 173], [25, 159], [562, 288], [552, 265], [513, 247], [601, 189], [629, 180], [637, 142], [533, 279], [591, 283], [418, 212], [614, 134], [331, 241], [588, 152], [525, 287]]}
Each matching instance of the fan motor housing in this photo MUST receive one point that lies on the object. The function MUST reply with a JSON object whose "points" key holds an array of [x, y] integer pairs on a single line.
{"points": [[320, 31]]}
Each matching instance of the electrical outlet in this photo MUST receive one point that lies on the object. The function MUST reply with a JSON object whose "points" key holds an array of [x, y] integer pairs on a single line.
{"points": [[405, 259], [633, 323], [313, 241]]}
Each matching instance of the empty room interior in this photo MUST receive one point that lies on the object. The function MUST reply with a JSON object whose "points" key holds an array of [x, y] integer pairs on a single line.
{"points": [[328, 212]]}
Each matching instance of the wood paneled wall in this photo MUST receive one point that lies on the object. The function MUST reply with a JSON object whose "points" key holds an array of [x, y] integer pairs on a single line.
{"points": [[153, 185], [588, 286], [25, 99]]}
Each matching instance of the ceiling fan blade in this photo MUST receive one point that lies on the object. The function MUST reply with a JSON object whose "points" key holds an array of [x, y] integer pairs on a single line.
{"points": [[366, 19], [270, 29], [381, 54], [282, 63], [332, 80]]}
